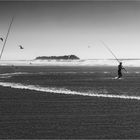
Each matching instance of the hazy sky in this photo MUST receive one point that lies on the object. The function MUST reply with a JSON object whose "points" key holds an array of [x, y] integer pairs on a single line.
{"points": [[62, 28]]}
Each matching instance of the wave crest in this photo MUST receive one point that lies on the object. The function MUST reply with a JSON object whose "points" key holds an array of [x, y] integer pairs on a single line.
{"points": [[65, 91]]}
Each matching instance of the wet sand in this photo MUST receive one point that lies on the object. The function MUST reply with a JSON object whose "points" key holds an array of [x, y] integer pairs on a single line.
{"points": [[31, 114]]}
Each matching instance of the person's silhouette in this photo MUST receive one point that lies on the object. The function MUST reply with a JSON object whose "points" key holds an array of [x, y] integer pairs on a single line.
{"points": [[120, 67]]}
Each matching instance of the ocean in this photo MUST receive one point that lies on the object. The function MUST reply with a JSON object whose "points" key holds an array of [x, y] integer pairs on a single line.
{"points": [[79, 80], [75, 101]]}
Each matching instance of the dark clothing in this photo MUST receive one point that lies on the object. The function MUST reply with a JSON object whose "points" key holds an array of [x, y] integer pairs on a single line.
{"points": [[119, 74], [119, 71]]}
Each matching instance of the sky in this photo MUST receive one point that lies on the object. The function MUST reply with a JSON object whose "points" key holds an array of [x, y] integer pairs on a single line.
{"points": [[53, 28]]}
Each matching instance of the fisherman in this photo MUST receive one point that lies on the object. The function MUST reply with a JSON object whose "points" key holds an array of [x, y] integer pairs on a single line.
{"points": [[120, 67]]}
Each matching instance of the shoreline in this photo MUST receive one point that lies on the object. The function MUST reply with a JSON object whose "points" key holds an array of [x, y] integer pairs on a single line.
{"points": [[63, 91]]}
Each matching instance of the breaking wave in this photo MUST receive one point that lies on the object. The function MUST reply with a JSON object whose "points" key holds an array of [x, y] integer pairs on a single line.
{"points": [[15, 73], [66, 91], [8, 75]]}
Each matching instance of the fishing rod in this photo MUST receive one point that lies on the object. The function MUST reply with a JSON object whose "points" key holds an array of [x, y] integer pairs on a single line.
{"points": [[6, 37], [112, 53]]}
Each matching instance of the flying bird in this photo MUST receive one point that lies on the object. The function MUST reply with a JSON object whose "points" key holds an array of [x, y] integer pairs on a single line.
{"points": [[21, 47], [1, 38]]}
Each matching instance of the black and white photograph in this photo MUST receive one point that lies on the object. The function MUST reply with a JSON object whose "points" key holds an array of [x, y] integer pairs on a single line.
{"points": [[70, 69]]}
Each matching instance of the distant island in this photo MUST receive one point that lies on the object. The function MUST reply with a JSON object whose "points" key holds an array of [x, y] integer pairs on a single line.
{"points": [[65, 57]]}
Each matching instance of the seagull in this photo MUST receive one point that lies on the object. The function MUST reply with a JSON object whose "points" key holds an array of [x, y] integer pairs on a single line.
{"points": [[1, 38], [21, 47]]}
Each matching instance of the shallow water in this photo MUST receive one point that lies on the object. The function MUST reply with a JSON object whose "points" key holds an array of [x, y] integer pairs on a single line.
{"points": [[89, 81]]}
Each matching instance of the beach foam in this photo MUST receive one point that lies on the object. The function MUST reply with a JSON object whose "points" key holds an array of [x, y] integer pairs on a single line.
{"points": [[66, 91], [9, 75], [15, 73]]}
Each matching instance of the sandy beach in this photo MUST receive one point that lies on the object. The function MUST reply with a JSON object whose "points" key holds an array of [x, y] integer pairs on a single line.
{"points": [[32, 114]]}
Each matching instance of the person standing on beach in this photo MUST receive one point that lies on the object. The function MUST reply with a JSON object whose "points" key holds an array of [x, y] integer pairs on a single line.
{"points": [[120, 67]]}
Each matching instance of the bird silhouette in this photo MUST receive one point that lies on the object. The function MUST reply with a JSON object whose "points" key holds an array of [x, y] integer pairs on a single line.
{"points": [[21, 47], [1, 38]]}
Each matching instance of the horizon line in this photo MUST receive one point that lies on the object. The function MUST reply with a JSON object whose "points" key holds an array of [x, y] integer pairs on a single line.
{"points": [[76, 59]]}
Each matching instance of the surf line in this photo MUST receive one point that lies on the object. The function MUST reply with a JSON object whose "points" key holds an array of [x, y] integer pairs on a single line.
{"points": [[65, 91]]}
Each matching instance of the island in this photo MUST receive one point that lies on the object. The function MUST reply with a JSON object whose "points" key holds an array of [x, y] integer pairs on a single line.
{"points": [[65, 57]]}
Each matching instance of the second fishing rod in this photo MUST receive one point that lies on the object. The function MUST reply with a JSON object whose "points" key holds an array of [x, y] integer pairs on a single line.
{"points": [[112, 53]]}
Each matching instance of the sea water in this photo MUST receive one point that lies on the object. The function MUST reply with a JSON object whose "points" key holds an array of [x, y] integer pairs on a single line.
{"points": [[97, 81]]}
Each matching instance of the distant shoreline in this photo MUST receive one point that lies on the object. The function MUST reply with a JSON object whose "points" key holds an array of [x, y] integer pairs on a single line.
{"points": [[72, 62], [121, 59]]}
